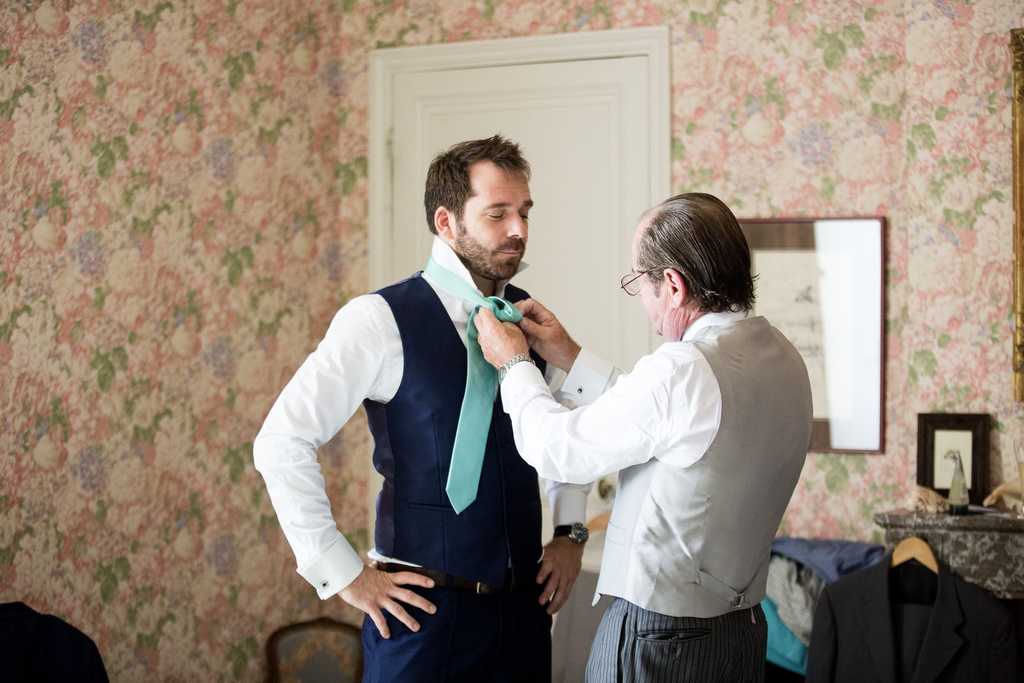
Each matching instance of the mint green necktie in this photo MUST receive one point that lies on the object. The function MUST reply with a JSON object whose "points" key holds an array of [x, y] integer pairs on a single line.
{"points": [[478, 401]]}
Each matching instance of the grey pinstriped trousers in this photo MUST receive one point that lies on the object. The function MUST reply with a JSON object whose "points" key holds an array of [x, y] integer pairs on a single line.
{"points": [[634, 645]]}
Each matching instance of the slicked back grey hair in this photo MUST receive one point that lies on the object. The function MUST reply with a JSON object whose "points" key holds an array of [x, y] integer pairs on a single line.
{"points": [[697, 235]]}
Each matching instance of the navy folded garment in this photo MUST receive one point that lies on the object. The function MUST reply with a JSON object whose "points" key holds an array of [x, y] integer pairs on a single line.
{"points": [[831, 559]]}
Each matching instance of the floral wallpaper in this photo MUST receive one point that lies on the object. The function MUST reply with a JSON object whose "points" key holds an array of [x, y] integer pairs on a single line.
{"points": [[183, 208]]}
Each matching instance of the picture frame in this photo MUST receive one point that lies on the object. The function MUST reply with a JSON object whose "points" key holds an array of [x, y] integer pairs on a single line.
{"points": [[1017, 107], [820, 281], [938, 434]]}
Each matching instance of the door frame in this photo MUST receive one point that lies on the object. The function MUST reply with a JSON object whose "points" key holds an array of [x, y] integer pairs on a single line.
{"points": [[386, 64], [651, 42]]}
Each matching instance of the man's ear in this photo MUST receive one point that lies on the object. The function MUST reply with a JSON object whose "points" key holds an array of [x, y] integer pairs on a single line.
{"points": [[674, 287], [444, 223]]}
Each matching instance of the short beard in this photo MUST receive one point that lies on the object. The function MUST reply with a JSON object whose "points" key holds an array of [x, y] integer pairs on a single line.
{"points": [[483, 263]]}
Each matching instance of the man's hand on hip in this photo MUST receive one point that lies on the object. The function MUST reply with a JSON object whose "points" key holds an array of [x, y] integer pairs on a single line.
{"points": [[559, 567], [375, 590]]}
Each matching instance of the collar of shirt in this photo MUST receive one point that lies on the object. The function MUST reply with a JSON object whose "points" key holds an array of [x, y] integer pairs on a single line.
{"points": [[711, 320], [458, 309]]}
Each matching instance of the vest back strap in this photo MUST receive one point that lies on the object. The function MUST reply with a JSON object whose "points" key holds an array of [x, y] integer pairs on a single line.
{"points": [[734, 599]]}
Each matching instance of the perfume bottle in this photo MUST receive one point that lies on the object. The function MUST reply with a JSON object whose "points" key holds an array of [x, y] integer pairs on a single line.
{"points": [[958, 500]]}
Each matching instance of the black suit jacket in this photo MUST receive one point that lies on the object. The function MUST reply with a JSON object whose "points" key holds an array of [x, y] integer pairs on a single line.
{"points": [[41, 648], [970, 636]]}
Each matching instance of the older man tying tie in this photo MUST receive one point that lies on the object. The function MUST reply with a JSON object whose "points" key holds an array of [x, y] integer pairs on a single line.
{"points": [[710, 433]]}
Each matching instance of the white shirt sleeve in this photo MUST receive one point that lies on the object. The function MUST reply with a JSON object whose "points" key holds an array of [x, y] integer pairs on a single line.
{"points": [[359, 357], [669, 407], [587, 379]]}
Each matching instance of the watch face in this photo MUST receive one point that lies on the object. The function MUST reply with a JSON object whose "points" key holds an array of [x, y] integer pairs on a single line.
{"points": [[579, 533]]}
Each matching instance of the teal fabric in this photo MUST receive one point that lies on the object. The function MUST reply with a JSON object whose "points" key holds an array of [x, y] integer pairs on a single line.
{"points": [[478, 401], [784, 648]]}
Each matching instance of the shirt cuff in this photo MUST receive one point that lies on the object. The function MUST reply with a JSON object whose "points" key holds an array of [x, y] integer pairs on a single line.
{"points": [[568, 506], [334, 570], [588, 378]]}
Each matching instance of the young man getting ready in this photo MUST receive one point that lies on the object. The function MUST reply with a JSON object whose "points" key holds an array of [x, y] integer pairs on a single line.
{"points": [[461, 588]]}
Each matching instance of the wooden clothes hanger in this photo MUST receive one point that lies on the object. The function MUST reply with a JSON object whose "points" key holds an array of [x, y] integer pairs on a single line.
{"points": [[913, 583], [914, 549]]}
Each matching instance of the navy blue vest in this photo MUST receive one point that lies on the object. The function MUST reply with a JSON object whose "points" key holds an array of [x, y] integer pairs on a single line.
{"points": [[413, 436]]}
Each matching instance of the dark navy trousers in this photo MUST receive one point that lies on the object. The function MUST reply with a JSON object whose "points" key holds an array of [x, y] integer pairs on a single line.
{"points": [[498, 638]]}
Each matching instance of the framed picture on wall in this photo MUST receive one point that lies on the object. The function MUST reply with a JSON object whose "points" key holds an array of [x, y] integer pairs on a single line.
{"points": [[820, 282], [940, 436]]}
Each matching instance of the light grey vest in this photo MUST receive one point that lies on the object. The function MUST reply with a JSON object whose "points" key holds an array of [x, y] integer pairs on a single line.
{"points": [[695, 541]]}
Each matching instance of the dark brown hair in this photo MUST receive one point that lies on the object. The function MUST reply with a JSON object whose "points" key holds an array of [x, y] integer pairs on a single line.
{"points": [[698, 236], [448, 176]]}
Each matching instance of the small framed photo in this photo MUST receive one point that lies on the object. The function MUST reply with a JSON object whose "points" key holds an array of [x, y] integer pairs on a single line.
{"points": [[940, 436]]}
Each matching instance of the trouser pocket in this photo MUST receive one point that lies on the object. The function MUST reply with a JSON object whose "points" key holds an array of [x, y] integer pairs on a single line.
{"points": [[681, 635]]}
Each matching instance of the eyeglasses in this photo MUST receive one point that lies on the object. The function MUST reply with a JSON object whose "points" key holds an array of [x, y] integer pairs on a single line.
{"points": [[631, 283]]}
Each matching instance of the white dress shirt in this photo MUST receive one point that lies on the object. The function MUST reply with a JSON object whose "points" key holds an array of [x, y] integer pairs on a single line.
{"points": [[669, 407], [360, 357]]}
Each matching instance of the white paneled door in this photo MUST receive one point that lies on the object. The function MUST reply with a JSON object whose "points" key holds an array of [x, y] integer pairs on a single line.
{"points": [[591, 113]]}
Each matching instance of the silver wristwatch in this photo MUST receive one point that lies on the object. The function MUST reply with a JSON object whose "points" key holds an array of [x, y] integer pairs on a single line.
{"points": [[518, 358]]}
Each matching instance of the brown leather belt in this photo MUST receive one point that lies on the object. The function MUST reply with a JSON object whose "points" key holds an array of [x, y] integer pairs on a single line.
{"points": [[447, 580]]}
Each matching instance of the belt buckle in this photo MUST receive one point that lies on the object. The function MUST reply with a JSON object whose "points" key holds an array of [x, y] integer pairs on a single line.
{"points": [[738, 601], [478, 587]]}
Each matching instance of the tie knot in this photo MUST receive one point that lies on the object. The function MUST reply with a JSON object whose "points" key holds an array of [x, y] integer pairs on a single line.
{"points": [[503, 310]]}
